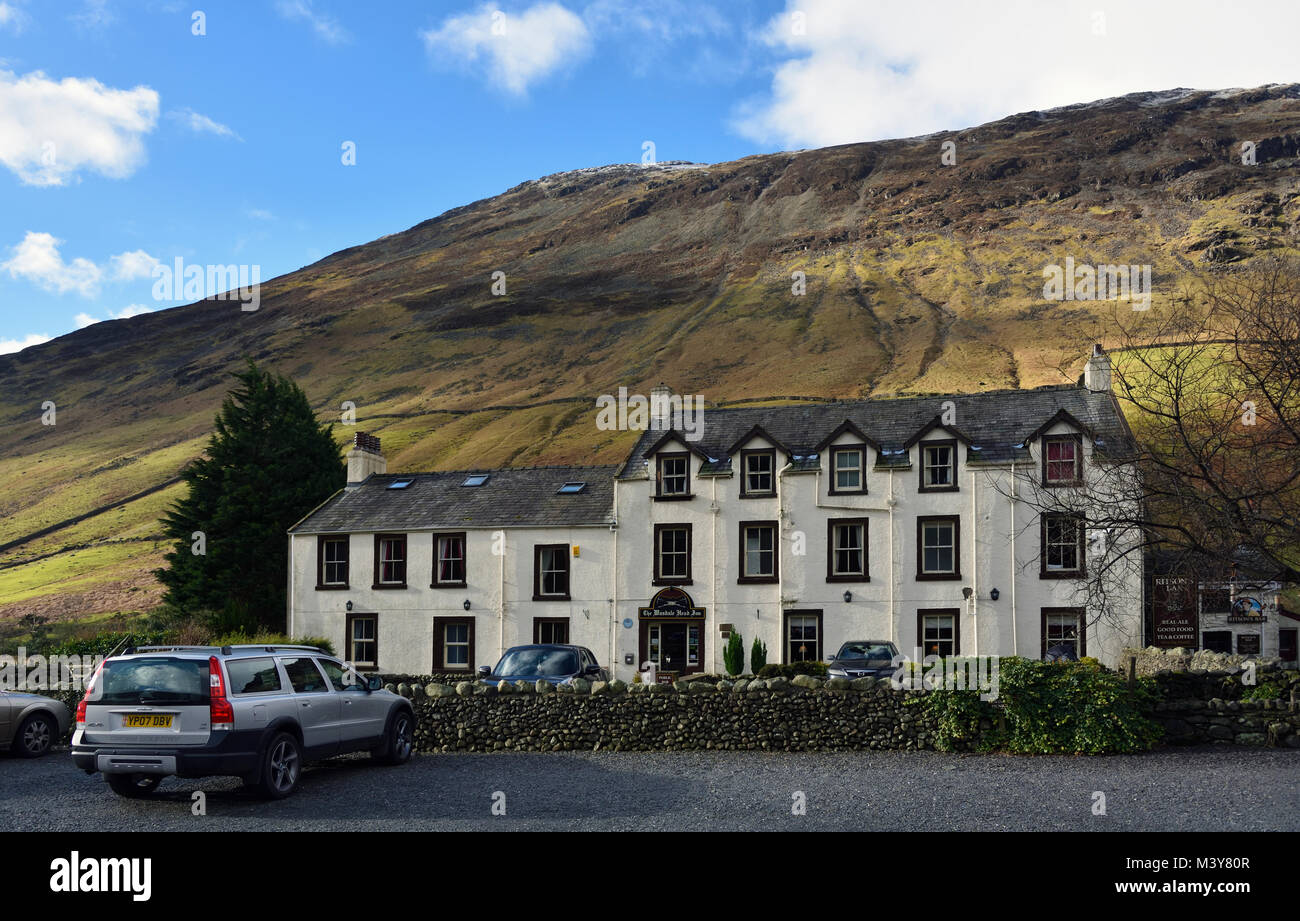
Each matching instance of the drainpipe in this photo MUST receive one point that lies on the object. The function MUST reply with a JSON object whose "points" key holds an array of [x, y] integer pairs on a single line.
{"points": [[975, 567], [289, 621], [501, 601], [893, 571], [1011, 505], [777, 543], [613, 593], [714, 511]]}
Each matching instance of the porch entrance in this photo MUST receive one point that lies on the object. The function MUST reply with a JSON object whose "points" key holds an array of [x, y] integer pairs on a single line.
{"points": [[672, 634]]}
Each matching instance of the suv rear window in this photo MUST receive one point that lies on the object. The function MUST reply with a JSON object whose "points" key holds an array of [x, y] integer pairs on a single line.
{"points": [[253, 676], [154, 680]]}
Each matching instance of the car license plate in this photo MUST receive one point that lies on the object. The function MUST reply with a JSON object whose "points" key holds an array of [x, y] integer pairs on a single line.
{"points": [[147, 721]]}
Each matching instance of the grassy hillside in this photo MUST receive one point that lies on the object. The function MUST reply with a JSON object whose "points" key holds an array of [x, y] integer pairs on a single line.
{"points": [[920, 277]]}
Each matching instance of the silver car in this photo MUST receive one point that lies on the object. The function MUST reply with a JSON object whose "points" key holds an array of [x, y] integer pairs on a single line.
{"points": [[30, 723], [255, 712]]}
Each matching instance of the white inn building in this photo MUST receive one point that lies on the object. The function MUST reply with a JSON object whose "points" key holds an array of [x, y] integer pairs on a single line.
{"points": [[806, 526]]}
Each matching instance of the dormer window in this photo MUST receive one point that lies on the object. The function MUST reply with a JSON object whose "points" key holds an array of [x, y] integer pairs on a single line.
{"points": [[673, 476], [1063, 460], [939, 465], [758, 473], [846, 470]]}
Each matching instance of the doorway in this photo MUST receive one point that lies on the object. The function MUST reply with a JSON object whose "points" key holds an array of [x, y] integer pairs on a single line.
{"points": [[674, 646]]}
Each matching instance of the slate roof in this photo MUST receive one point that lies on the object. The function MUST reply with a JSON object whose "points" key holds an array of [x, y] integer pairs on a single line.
{"points": [[511, 497], [997, 423]]}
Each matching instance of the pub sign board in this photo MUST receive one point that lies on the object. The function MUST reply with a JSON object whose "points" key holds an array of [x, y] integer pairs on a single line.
{"points": [[1173, 612], [673, 603]]}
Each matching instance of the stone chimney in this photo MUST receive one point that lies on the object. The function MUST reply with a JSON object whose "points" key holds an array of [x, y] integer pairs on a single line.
{"points": [[1096, 373], [365, 458], [661, 408]]}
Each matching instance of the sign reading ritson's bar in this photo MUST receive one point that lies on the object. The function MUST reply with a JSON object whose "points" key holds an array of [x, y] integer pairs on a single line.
{"points": [[1173, 612]]}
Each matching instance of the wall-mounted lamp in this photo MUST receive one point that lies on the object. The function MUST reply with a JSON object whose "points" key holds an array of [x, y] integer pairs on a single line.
{"points": [[349, 605], [994, 594], [848, 596], [466, 605]]}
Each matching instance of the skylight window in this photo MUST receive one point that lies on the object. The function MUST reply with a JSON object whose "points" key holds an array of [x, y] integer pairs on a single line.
{"points": [[399, 484], [477, 479], [571, 488]]}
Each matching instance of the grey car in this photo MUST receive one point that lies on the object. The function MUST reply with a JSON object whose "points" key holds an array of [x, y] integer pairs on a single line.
{"points": [[255, 712], [863, 659], [30, 723]]}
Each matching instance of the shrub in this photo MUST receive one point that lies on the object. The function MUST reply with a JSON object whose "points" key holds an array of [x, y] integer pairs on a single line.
{"points": [[733, 657], [1051, 708], [793, 669], [270, 639], [757, 656]]}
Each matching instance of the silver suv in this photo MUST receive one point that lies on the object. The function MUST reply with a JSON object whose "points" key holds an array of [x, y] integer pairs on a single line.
{"points": [[255, 712]]}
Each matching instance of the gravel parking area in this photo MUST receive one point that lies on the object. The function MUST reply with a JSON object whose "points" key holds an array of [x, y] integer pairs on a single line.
{"points": [[1207, 789]]}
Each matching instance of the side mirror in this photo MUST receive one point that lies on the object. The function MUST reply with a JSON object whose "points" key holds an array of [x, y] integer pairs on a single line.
{"points": [[591, 670], [484, 671], [374, 683]]}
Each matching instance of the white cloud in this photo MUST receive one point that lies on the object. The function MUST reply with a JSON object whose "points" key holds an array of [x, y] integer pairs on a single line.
{"points": [[50, 130], [326, 27], [260, 214], [132, 265], [94, 14], [37, 260], [516, 49], [866, 71], [201, 124], [12, 18], [8, 346], [130, 310]]}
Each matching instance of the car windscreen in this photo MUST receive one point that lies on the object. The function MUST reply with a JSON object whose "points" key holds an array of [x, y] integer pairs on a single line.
{"points": [[538, 662], [876, 652], [153, 680]]}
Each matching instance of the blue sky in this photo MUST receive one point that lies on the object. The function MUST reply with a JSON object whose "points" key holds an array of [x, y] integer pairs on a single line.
{"points": [[127, 140]]}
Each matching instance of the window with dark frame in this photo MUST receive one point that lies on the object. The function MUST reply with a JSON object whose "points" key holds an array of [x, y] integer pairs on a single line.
{"points": [[938, 547], [758, 477], [803, 636], [551, 572], [332, 554], [673, 476], [1062, 545], [1063, 460], [847, 470], [449, 560], [937, 632], [846, 543], [390, 561], [1063, 628], [938, 465], [672, 564], [551, 630], [363, 641], [453, 643], [758, 551]]}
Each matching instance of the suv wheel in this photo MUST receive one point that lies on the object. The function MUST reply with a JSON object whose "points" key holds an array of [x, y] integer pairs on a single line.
{"points": [[281, 766], [399, 740], [35, 736], [133, 786]]}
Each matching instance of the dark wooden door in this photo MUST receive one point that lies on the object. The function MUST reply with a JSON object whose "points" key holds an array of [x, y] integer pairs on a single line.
{"points": [[672, 648]]}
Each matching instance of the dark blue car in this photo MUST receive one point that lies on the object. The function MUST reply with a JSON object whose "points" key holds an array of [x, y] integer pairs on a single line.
{"points": [[549, 662]]}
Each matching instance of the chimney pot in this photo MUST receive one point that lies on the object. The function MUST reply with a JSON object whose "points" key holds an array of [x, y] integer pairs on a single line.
{"points": [[365, 458]]}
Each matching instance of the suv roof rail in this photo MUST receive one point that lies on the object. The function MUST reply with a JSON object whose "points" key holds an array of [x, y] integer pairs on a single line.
{"points": [[172, 648], [273, 647]]}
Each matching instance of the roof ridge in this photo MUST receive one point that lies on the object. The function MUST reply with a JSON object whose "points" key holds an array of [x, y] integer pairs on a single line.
{"points": [[470, 471]]}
